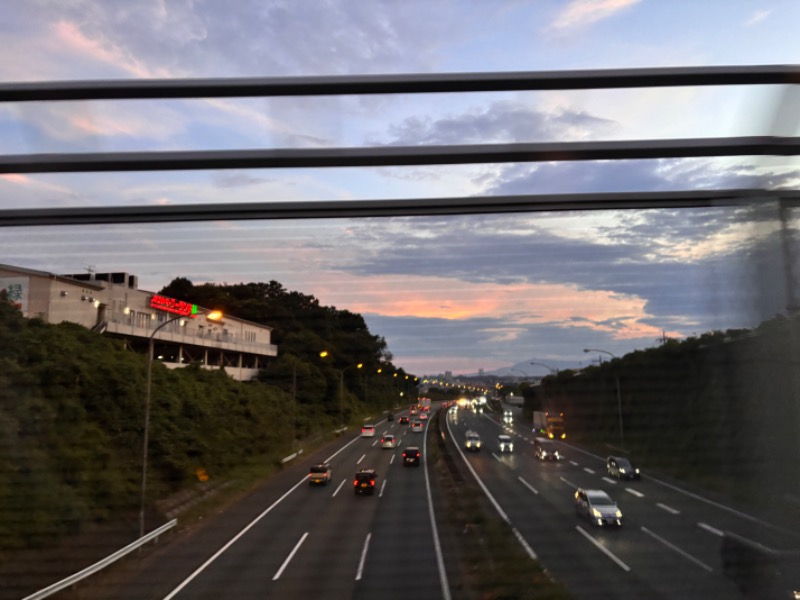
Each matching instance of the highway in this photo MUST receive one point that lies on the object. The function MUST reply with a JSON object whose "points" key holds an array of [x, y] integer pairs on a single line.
{"points": [[668, 547], [293, 540]]}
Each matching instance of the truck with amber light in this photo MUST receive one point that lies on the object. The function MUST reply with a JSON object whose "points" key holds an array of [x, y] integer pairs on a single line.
{"points": [[549, 425]]}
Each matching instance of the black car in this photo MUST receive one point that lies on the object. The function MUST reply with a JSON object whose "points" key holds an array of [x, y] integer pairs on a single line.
{"points": [[621, 468], [364, 482], [403, 420], [390, 417], [411, 456]]}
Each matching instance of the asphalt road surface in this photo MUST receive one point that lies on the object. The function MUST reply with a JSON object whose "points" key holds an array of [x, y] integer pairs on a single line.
{"points": [[668, 546]]}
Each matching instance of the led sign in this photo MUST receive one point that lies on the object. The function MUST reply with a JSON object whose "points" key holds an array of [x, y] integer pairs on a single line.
{"points": [[179, 307]]}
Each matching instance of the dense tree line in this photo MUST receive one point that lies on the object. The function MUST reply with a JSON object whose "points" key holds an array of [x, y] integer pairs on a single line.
{"points": [[72, 408], [719, 408]]}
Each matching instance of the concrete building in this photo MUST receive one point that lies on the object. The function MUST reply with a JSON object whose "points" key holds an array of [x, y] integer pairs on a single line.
{"points": [[112, 304]]}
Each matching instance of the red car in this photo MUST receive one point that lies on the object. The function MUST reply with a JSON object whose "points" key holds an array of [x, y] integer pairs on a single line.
{"points": [[403, 420]]}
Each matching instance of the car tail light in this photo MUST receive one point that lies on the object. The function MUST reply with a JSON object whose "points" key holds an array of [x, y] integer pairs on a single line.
{"points": [[355, 482], [372, 482]]}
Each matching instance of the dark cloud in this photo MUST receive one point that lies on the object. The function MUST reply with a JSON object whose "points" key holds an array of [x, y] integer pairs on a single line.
{"points": [[505, 121]]}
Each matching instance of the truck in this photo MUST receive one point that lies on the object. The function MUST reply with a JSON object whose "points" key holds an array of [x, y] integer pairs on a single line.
{"points": [[550, 425]]}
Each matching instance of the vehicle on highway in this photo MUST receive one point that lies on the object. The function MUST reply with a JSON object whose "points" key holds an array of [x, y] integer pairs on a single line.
{"points": [[364, 482], [423, 416], [621, 468], [388, 441], [472, 442], [598, 507], [403, 421], [413, 411], [505, 443], [416, 426], [320, 474], [545, 449], [508, 417], [411, 456], [390, 417], [368, 431]]}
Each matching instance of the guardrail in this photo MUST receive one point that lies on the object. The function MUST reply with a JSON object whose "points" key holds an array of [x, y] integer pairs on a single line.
{"points": [[291, 456], [98, 566]]}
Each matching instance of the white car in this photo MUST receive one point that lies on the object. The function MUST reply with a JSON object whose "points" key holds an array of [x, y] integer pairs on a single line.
{"points": [[388, 441], [505, 443], [473, 442], [423, 416], [368, 431], [416, 426], [598, 507]]}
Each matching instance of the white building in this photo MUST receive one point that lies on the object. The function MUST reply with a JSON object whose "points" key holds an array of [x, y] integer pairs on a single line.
{"points": [[112, 304]]}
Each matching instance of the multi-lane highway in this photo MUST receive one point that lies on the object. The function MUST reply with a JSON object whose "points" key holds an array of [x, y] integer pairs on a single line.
{"points": [[668, 547], [292, 540]]}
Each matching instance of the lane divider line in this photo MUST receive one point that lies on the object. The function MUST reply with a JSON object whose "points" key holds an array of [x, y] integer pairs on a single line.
{"points": [[360, 459], [711, 529], [609, 480], [603, 549], [363, 557], [528, 485], [391, 460], [383, 485], [569, 483], [524, 544], [574, 464], [291, 555], [233, 540], [338, 488], [443, 583], [678, 550], [588, 470], [636, 493], [497, 457], [669, 509], [330, 458]]}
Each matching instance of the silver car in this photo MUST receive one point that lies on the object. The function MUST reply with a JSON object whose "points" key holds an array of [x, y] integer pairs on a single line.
{"points": [[598, 507]]}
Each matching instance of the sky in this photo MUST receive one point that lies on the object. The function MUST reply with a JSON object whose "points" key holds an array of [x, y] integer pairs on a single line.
{"points": [[458, 293]]}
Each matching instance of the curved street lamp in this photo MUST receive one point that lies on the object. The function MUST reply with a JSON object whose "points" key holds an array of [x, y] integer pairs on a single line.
{"points": [[619, 395], [211, 315]]}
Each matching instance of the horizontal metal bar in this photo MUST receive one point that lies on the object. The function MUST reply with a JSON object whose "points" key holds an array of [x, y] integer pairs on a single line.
{"points": [[98, 566], [398, 84], [387, 208], [385, 156]]}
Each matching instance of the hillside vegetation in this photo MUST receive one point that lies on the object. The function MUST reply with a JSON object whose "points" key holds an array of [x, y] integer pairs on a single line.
{"points": [[720, 409], [72, 410]]}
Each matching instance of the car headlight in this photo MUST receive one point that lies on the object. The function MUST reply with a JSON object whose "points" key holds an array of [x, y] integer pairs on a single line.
{"points": [[511, 446], [597, 514], [621, 470], [637, 471], [618, 514]]}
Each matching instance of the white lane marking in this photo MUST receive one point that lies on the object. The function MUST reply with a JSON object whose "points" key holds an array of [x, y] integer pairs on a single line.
{"points": [[363, 557], [713, 530], [391, 460], [669, 509], [497, 457], [434, 530], [383, 485], [233, 540], [360, 459], [603, 549], [375, 442], [291, 555], [636, 493], [609, 480], [678, 550], [338, 488], [569, 483], [358, 437], [588, 470], [523, 543], [574, 464], [528, 485]]}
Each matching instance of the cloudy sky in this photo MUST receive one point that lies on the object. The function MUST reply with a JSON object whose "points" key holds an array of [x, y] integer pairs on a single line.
{"points": [[448, 293]]}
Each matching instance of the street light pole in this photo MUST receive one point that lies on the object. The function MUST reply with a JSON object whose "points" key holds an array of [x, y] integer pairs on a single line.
{"points": [[214, 316], [619, 395], [549, 368]]}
